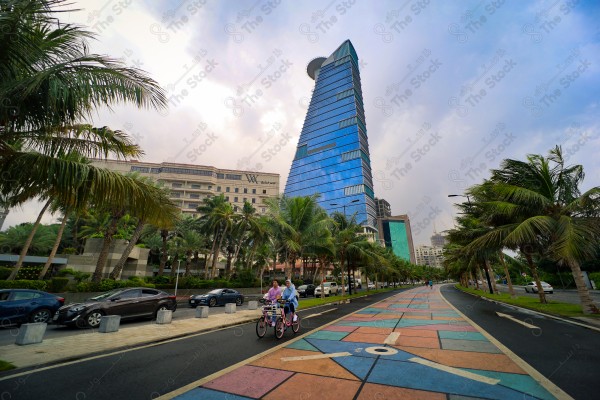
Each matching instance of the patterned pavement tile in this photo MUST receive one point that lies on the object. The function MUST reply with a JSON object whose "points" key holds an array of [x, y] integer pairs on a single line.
{"points": [[357, 349], [443, 327], [302, 386], [329, 335], [207, 394], [522, 383], [248, 380], [414, 341], [339, 328], [366, 338], [461, 335], [470, 345], [383, 323], [424, 316], [301, 345], [416, 332], [322, 366], [378, 331], [464, 359], [372, 391]]}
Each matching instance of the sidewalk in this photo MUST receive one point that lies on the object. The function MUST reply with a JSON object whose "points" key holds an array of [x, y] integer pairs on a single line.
{"points": [[409, 346], [88, 342]]}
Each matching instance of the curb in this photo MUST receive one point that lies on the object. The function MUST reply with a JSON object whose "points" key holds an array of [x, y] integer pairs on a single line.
{"points": [[556, 317]]}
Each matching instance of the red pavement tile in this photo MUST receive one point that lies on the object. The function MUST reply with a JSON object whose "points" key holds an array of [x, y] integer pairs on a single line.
{"points": [[417, 332], [466, 359], [416, 316], [302, 386], [412, 341], [371, 329], [339, 328], [381, 392], [249, 381], [365, 338], [322, 366], [444, 327]]}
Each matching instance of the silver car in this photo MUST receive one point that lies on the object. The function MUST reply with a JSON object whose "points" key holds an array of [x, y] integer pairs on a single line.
{"points": [[532, 287]]}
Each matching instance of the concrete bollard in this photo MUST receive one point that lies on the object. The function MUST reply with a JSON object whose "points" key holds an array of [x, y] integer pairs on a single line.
{"points": [[252, 305], [164, 316], [109, 323], [31, 333], [202, 312], [230, 308]]}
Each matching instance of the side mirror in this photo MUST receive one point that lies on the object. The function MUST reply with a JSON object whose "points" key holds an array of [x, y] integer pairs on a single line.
{"points": [[115, 299]]}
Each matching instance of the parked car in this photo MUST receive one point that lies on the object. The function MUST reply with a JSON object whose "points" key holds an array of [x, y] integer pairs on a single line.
{"points": [[19, 306], [127, 302], [370, 285], [217, 297], [306, 290], [532, 286], [329, 289]]}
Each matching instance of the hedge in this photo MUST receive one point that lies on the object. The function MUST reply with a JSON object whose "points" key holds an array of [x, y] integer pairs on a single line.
{"points": [[23, 284]]}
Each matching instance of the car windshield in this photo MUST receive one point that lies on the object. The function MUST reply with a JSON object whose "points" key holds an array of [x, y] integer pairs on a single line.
{"points": [[106, 295], [327, 284], [302, 287], [216, 291]]}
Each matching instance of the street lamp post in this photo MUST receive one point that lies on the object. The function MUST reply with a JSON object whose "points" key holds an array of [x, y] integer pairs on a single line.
{"points": [[487, 274], [347, 254]]}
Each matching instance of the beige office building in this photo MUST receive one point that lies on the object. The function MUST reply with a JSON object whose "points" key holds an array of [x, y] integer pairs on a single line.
{"points": [[190, 184], [430, 256]]}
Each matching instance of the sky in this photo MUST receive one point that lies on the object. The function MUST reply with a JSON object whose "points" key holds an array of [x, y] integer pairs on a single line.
{"points": [[450, 88]]}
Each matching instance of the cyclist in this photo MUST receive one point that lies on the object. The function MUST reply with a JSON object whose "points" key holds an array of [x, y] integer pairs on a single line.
{"points": [[272, 295], [289, 294]]}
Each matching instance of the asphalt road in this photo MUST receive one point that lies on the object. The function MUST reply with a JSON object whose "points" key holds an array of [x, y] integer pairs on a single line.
{"points": [[566, 354], [148, 372]]}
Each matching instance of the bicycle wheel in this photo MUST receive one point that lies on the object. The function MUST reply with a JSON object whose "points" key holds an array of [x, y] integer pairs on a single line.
{"points": [[296, 324], [279, 328], [261, 327]]}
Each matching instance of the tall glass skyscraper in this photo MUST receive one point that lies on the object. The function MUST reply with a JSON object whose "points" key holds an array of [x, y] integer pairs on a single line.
{"points": [[332, 157]]}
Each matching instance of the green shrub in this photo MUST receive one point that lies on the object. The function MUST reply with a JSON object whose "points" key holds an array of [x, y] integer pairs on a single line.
{"points": [[595, 276], [107, 284], [58, 284], [31, 273], [23, 284], [87, 287], [164, 286], [162, 279], [69, 250], [5, 272]]}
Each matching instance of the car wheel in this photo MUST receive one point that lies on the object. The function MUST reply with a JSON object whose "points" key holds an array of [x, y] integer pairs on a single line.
{"points": [[526, 290], [238, 301], [42, 315], [92, 320], [551, 292], [212, 302]]}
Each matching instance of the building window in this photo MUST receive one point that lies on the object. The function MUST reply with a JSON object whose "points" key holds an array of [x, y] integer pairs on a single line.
{"points": [[262, 209], [226, 198], [218, 188], [176, 184], [176, 194], [245, 190], [253, 200], [194, 196], [192, 205], [227, 189], [264, 191], [236, 190], [235, 199], [253, 191], [245, 199], [356, 189], [195, 186], [209, 187]]}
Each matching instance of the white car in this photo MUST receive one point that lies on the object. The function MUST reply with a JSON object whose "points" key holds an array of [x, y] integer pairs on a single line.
{"points": [[371, 285], [532, 286], [329, 288]]}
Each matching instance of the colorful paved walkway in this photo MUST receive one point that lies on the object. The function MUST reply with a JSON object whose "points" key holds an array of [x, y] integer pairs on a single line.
{"points": [[410, 346]]}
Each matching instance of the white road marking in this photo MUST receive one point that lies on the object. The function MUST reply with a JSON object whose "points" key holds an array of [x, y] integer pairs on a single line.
{"points": [[517, 320], [316, 357], [455, 371], [321, 313], [391, 339]]}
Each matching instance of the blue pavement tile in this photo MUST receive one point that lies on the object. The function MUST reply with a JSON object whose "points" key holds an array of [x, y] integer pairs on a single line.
{"points": [[461, 335], [356, 349], [416, 376], [359, 366], [208, 394], [329, 335], [522, 383]]}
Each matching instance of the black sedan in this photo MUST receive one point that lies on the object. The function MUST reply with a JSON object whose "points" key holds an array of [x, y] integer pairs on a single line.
{"points": [[128, 303], [217, 297], [306, 290], [24, 305]]}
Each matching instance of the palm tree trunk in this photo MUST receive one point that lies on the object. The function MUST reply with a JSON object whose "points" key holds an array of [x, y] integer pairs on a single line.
{"points": [[102, 257], [511, 290], [491, 274], [116, 272], [212, 252], [536, 277], [59, 234], [188, 263], [34, 228], [587, 304], [480, 278], [163, 256], [216, 256]]}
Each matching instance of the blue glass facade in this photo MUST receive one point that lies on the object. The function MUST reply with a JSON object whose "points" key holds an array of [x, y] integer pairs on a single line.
{"points": [[332, 157], [396, 237]]}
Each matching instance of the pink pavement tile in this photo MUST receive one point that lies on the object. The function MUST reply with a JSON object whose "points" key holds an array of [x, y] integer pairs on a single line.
{"points": [[337, 328], [249, 381]]}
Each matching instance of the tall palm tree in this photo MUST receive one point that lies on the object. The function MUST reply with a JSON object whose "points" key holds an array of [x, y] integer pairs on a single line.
{"points": [[218, 218], [547, 213]]}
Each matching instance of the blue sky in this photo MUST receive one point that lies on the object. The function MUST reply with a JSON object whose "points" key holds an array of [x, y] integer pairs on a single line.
{"points": [[450, 87]]}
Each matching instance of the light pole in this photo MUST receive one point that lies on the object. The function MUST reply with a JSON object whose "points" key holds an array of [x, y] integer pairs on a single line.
{"points": [[347, 254], [177, 278], [487, 274]]}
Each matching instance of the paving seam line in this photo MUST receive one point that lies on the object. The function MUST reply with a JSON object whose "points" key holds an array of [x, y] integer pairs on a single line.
{"points": [[563, 319], [535, 374], [222, 372]]}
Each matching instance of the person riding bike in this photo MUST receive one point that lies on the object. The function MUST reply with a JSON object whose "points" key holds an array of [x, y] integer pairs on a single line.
{"points": [[289, 294], [272, 295]]}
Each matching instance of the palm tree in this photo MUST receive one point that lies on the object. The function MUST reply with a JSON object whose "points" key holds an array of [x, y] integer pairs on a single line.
{"points": [[218, 218], [348, 241], [547, 214]]}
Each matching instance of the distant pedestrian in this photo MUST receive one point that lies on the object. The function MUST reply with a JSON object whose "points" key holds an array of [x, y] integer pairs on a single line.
{"points": [[430, 284]]}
